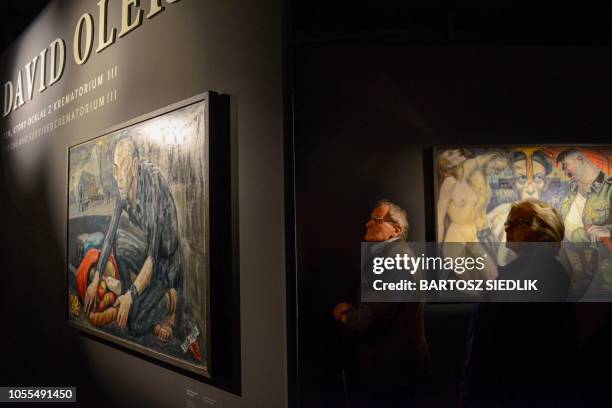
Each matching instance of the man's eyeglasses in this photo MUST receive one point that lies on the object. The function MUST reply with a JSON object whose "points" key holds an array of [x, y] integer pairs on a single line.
{"points": [[380, 220], [513, 224]]}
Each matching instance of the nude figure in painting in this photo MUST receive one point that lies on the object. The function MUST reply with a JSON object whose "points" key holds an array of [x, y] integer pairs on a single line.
{"points": [[462, 202]]}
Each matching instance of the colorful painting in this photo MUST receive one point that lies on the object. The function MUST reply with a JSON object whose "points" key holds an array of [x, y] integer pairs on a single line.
{"points": [[476, 186], [138, 261]]}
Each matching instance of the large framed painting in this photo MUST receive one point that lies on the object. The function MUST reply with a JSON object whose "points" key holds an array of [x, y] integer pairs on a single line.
{"points": [[475, 186], [149, 231]]}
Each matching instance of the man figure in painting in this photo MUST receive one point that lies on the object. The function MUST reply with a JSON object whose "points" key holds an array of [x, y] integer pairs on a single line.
{"points": [[392, 350], [586, 208], [149, 302], [586, 213], [531, 168]]}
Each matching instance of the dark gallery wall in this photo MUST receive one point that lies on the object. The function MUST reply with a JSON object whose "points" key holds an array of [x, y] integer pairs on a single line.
{"points": [[366, 120], [365, 117], [193, 46]]}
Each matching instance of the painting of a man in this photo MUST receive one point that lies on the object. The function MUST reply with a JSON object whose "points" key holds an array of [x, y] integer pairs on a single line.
{"points": [[149, 302], [586, 208], [138, 236], [587, 217], [530, 169]]}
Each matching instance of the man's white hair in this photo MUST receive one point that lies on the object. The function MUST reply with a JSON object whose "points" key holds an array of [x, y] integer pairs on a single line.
{"points": [[398, 215]]}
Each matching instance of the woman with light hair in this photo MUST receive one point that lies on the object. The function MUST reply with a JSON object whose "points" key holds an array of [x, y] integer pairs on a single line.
{"points": [[546, 219], [521, 342], [533, 220]]}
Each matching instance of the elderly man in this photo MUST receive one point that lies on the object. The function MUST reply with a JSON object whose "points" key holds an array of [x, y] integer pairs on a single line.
{"points": [[148, 303], [519, 354], [390, 336]]}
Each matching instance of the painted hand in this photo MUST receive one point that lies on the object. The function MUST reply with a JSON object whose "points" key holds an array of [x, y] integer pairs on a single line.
{"points": [[91, 293], [125, 303], [597, 232]]}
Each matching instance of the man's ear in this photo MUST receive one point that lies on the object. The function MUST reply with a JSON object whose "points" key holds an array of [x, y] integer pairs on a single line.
{"points": [[397, 230]]}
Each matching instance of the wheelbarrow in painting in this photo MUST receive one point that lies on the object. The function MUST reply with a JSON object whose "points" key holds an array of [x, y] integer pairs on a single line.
{"points": [[138, 253]]}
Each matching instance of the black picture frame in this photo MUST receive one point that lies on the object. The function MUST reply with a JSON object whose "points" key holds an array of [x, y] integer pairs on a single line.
{"points": [[223, 310]]}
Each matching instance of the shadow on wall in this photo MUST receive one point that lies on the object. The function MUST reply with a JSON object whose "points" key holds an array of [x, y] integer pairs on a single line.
{"points": [[38, 347]]}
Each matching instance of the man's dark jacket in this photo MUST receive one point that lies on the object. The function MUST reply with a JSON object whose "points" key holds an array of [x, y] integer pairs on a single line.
{"points": [[390, 336]]}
